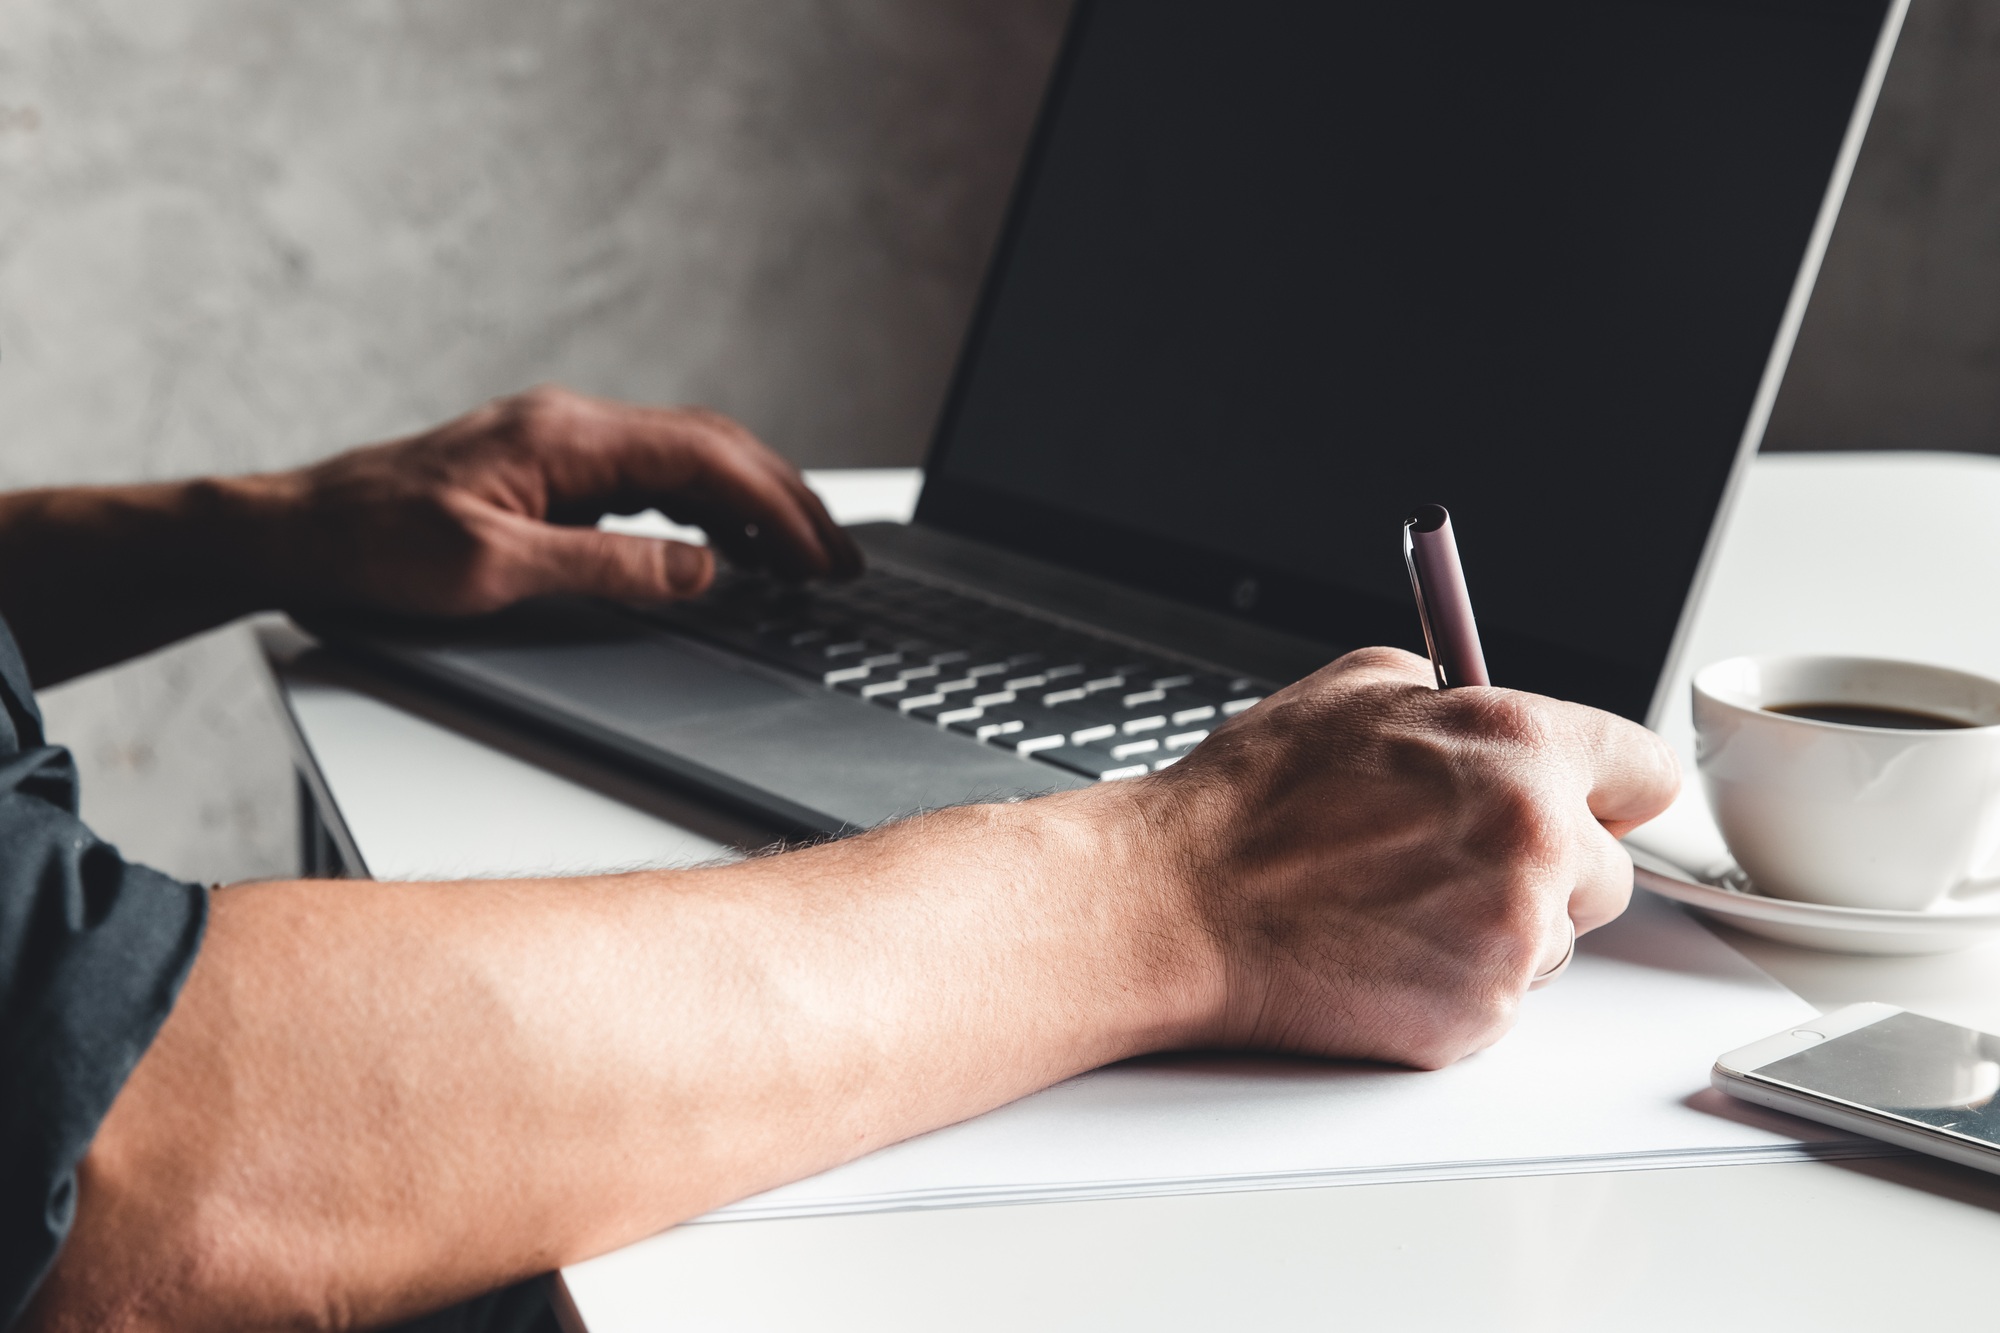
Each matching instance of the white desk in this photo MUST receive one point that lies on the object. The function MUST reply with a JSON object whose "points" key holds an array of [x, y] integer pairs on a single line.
{"points": [[1824, 553]]}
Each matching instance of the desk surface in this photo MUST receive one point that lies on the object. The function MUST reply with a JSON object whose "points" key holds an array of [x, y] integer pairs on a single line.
{"points": [[1823, 553]]}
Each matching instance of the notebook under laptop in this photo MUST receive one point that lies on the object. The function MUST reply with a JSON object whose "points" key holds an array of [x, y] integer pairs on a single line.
{"points": [[1274, 274]]}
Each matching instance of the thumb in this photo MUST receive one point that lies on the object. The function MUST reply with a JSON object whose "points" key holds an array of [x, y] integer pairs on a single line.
{"points": [[590, 563]]}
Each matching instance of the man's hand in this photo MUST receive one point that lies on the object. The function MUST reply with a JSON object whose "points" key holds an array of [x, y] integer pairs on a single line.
{"points": [[1384, 865], [479, 513], [372, 1099], [502, 503]]}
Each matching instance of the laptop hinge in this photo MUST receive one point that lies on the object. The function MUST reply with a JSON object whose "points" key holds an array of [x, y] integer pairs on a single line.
{"points": [[1100, 606]]}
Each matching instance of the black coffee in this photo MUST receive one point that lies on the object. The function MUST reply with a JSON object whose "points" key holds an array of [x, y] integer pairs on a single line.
{"points": [[1871, 715]]}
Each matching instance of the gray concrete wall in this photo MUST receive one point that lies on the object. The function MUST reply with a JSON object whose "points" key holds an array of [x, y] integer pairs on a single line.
{"points": [[1901, 346], [241, 233], [238, 234]]}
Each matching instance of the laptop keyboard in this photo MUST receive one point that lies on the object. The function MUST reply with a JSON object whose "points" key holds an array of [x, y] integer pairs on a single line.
{"points": [[993, 675]]}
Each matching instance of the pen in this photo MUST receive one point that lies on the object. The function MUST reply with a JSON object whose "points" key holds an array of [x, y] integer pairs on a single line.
{"points": [[1443, 605]]}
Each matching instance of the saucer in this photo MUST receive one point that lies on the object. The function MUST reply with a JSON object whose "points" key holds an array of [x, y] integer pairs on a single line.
{"points": [[1728, 894]]}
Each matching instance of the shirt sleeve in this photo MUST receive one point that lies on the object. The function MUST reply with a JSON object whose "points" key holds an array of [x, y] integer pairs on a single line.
{"points": [[93, 951]]}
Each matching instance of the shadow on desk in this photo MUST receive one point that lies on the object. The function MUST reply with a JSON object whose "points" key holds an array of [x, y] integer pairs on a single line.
{"points": [[1941, 1179]]}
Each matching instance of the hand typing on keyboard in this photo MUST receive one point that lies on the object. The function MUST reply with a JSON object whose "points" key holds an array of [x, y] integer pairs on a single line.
{"points": [[502, 503]]}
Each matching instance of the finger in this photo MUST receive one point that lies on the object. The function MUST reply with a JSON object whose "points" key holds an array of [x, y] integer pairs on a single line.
{"points": [[1631, 773], [844, 550], [696, 467], [1603, 886], [550, 559], [756, 508], [840, 547]]}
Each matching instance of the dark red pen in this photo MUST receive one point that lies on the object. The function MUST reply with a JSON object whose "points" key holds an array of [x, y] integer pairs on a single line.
{"points": [[1450, 634]]}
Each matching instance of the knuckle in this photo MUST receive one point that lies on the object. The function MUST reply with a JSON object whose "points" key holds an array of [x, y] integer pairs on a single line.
{"points": [[1518, 827], [1475, 1025], [1432, 1053], [716, 426], [1494, 1016], [545, 410], [1386, 661], [1501, 718]]}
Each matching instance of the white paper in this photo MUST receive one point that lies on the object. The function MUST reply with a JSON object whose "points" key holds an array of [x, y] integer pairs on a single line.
{"points": [[1607, 1069]]}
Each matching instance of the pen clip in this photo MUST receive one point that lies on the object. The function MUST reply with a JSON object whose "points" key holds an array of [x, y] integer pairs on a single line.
{"points": [[1423, 603]]}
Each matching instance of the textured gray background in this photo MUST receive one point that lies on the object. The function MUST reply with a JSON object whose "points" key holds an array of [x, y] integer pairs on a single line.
{"points": [[238, 234], [241, 233]]}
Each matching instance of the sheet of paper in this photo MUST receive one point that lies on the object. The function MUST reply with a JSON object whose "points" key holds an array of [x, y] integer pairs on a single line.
{"points": [[1608, 1068]]}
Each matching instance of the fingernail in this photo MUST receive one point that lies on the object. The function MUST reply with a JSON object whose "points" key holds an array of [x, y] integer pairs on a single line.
{"points": [[688, 567]]}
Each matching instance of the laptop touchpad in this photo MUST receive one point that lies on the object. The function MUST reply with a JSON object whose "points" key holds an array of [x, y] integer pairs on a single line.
{"points": [[647, 680]]}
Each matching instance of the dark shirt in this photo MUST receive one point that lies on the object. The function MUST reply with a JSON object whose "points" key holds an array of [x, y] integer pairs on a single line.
{"points": [[93, 950]]}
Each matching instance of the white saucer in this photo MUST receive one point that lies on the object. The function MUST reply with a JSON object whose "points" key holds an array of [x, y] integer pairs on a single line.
{"points": [[1950, 926]]}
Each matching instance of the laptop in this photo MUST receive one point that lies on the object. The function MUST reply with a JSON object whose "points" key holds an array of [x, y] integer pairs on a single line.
{"points": [[1274, 274]]}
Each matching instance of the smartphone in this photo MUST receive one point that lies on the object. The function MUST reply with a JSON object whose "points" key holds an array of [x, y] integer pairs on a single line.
{"points": [[1884, 1072]]}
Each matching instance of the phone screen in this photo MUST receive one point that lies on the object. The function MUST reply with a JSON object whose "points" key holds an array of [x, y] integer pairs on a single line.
{"points": [[1913, 1068]]}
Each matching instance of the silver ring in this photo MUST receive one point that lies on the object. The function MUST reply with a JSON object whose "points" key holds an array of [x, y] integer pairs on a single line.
{"points": [[1541, 979]]}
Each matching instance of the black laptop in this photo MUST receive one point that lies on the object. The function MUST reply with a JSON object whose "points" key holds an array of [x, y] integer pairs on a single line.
{"points": [[1275, 273]]}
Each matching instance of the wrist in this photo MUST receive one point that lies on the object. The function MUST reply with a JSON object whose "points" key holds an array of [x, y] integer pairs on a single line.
{"points": [[1143, 869], [245, 529]]}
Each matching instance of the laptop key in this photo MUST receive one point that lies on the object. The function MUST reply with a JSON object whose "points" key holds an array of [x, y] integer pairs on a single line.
{"points": [[987, 731], [1093, 763], [986, 717], [1185, 739], [1130, 748], [1235, 706], [1139, 724], [1200, 713]]}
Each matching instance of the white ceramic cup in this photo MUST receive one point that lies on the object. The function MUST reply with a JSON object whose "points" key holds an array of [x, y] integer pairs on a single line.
{"points": [[1855, 816]]}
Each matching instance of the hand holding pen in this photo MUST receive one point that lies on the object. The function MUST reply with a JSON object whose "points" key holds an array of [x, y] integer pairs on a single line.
{"points": [[1451, 636]]}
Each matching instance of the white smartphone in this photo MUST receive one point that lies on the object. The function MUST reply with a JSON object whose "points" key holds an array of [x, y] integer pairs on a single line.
{"points": [[1884, 1072]]}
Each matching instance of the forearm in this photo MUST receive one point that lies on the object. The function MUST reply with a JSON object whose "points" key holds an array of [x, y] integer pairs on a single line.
{"points": [[372, 1099], [91, 575]]}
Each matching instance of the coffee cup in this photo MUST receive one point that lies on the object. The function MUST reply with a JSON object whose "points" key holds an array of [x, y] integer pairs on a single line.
{"points": [[1853, 781]]}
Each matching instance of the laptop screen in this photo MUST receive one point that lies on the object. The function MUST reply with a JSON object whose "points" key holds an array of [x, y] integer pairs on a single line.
{"points": [[1276, 273]]}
